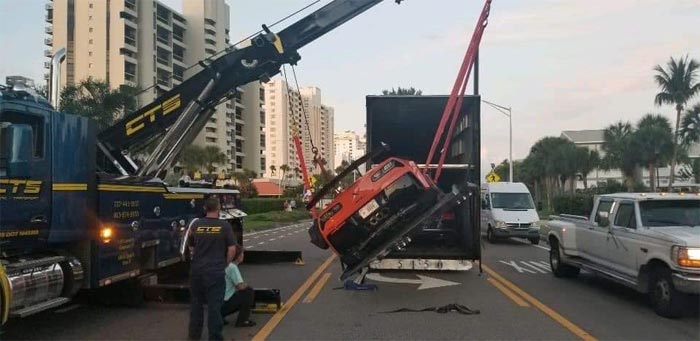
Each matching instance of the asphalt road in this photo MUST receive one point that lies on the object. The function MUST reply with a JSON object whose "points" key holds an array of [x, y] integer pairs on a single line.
{"points": [[516, 295]]}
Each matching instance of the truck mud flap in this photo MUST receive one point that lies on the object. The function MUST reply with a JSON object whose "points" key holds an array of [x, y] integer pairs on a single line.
{"points": [[448, 199]]}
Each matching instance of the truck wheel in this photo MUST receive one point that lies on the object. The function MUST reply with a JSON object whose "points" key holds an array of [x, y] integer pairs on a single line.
{"points": [[665, 299], [535, 241], [490, 236], [559, 269]]}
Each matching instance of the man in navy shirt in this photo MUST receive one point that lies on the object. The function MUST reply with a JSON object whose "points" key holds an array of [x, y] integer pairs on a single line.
{"points": [[212, 246]]}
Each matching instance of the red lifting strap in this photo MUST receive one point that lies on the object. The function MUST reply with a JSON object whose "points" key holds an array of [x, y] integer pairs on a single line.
{"points": [[454, 103]]}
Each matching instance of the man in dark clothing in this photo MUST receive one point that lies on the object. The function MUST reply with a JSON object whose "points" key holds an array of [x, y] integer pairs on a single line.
{"points": [[212, 246]]}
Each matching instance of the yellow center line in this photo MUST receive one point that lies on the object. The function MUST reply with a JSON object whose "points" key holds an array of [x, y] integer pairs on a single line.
{"points": [[267, 329], [541, 306], [515, 298], [317, 288]]}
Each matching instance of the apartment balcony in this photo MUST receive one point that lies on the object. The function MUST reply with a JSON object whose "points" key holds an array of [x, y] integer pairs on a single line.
{"points": [[48, 29], [48, 41], [179, 40], [47, 76], [49, 6], [49, 17], [48, 53]]}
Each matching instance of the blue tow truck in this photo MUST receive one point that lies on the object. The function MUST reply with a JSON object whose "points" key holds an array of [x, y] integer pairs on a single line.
{"points": [[78, 212]]}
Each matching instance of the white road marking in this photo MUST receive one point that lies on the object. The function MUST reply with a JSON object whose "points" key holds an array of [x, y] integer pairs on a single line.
{"points": [[535, 266], [517, 267], [249, 247], [541, 247], [289, 234], [67, 309], [271, 239], [424, 281], [261, 243]]}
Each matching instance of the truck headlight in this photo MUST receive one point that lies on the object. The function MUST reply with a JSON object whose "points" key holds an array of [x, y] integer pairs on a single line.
{"points": [[535, 225], [500, 224], [686, 256]]}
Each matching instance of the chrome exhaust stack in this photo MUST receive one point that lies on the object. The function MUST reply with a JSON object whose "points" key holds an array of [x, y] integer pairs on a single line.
{"points": [[55, 77]]}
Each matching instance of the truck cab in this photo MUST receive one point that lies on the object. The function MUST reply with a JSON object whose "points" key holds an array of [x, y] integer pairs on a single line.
{"points": [[647, 241], [507, 210]]}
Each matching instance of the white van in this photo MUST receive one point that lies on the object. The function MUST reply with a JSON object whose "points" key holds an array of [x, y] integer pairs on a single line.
{"points": [[507, 210]]}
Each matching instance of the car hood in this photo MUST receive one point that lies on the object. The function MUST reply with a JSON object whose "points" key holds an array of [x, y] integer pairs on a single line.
{"points": [[687, 235], [515, 216]]}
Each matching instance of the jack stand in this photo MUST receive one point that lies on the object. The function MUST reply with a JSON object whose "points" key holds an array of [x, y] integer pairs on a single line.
{"points": [[358, 283]]}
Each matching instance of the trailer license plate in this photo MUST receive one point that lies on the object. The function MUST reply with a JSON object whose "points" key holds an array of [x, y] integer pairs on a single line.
{"points": [[369, 208]]}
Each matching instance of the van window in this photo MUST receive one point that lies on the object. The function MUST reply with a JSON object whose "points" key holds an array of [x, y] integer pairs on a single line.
{"points": [[36, 122], [512, 201]]}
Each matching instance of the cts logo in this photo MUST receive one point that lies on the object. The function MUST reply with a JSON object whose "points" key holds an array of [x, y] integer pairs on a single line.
{"points": [[168, 106], [16, 186], [208, 229]]}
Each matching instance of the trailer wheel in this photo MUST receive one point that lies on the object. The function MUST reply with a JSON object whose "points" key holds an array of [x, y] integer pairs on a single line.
{"points": [[559, 269], [490, 236], [665, 299]]}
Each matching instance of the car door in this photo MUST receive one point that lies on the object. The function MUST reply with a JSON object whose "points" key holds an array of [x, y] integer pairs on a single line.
{"points": [[622, 241], [591, 239]]}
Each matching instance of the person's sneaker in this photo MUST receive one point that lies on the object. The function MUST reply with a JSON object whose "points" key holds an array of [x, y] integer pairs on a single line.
{"points": [[248, 323]]}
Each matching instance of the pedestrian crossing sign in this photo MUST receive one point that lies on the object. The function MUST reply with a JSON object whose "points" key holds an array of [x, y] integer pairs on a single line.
{"points": [[493, 177]]}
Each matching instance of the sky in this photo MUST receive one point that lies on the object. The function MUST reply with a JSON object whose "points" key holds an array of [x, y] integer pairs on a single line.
{"points": [[559, 64]]}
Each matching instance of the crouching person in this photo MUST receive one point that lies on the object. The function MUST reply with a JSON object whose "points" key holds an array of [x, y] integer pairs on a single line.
{"points": [[239, 296]]}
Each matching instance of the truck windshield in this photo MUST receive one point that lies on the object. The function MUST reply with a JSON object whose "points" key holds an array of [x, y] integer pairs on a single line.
{"points": [[512, 201], [670, 213]]}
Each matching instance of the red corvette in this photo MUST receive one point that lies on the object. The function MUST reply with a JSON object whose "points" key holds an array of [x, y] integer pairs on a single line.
{"points": [[370, 217]]}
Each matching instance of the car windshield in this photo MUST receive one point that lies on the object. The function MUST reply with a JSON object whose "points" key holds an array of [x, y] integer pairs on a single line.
{"points": [[670, 213], [512, 201]]}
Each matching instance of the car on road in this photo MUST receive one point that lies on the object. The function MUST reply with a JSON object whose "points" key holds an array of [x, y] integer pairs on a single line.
{"points": [[647, 241], [507, 210]]}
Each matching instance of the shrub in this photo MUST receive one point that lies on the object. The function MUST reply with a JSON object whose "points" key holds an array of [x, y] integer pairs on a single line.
{"points": [[578, 204], [262, 205]]}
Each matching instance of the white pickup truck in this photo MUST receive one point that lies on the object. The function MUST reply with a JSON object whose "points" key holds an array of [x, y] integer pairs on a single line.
{"points": [[648, 241]]}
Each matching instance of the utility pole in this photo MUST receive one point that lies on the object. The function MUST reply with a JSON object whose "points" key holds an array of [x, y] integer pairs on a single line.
{"points": [[503, 110]]}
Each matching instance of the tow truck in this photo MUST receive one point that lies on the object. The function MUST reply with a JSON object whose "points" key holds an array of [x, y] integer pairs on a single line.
{"points": [[77, 212]]}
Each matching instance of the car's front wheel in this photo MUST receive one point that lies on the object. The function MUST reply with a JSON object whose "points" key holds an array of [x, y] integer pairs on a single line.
{"points": [[665, 299], [491, 236]]}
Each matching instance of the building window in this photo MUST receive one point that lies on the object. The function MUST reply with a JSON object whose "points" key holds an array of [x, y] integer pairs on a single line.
{"points": [[211, 130], [211, 140], [90, 53], [90, 41], [90, 30], [90, 66], [90, 5]]}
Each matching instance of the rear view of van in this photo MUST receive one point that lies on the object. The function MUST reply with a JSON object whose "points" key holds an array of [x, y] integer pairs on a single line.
{"points": [[507, 210]]}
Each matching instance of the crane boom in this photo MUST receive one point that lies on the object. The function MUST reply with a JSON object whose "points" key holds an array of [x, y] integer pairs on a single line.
{"points": [[176, 117]]}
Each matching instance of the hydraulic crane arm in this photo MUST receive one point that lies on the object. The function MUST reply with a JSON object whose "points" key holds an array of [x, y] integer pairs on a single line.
{"points": [[176, 117]]}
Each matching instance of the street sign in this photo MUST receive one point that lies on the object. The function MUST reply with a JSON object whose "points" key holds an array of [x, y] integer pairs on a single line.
{"points": [[493, 177]]}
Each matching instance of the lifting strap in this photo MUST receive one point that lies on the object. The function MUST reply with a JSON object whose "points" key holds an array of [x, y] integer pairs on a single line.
{"points": [[454, 103], [454, 307]]}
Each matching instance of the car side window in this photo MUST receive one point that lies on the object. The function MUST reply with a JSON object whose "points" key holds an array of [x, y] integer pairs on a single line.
{"points": [[603, 206], [625, 216]]}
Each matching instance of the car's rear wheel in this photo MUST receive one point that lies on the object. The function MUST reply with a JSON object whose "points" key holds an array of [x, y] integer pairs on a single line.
{"points": [[560, 269], [665, 299]]}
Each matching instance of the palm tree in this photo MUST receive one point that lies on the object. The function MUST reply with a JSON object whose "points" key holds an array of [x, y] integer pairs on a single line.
{"points": [[690, 126], [678, 84], [191, 158], [618, 153], [652, 142], [95, 99], [284, 168], [588, 160], [273, 169], [212, 155], [543, 161]]}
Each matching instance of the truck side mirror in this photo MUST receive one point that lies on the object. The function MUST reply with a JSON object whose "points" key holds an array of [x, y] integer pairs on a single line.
{"points": [[603, 219], [16, 153]]}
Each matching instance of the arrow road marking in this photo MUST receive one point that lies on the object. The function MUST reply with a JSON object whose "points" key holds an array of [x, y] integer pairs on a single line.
{"points": [[424, 281]]}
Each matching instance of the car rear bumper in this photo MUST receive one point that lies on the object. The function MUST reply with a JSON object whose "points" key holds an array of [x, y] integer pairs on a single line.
{"points": [[687, 283], [518, 233]]}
